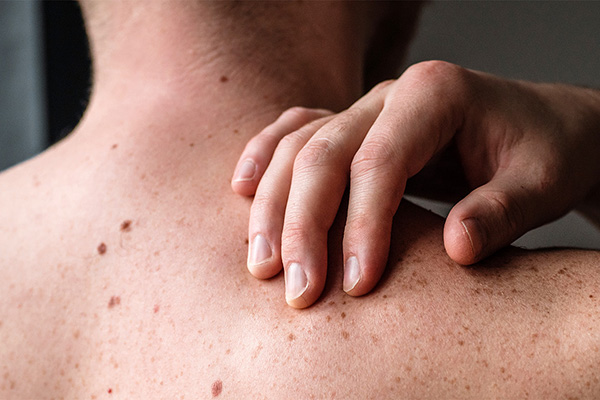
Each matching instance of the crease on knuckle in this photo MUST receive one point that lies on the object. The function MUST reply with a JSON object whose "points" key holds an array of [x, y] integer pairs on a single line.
{"points": [[293, 140], [512, 211], [295, 231], [318, 152], [264, 204], [376, 157]]}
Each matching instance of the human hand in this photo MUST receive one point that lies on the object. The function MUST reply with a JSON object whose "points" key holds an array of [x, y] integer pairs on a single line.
{"points": [[531, 151]]}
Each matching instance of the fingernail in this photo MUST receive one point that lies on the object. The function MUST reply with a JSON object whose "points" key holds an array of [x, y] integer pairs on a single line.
{"points": [[296, 282], [260, 251], [475, 234], [246, 171], [351, 274]]}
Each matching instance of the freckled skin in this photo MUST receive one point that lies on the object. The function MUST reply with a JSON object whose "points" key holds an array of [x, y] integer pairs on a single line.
{"points": [[185, 251], [465, 325]]}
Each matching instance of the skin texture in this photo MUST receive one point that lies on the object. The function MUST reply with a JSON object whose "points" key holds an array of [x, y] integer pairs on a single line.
{"points": [[123, 267], [528, 151]]}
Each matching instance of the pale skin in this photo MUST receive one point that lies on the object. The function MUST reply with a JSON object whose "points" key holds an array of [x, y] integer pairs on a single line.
{"points": [[166, 309], [529, 151]]}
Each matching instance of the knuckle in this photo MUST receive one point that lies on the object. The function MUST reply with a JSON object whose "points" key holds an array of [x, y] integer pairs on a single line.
{"points": [[511, 210], [439, 76], [318, 152], [374, 156], [264, 204], [294, 140], [297, 112], [382, 85], [296, 231], [303, 115], [260, 141], [434, 69]]}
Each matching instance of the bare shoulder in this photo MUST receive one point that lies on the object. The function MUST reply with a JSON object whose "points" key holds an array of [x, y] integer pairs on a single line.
{"points": [[166, 308]]}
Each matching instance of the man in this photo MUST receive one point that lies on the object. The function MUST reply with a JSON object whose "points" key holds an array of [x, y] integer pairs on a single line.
{"points": [[123, 260]]}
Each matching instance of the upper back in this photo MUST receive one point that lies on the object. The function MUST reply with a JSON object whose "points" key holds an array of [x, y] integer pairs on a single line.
{"points": [[120, 288]]}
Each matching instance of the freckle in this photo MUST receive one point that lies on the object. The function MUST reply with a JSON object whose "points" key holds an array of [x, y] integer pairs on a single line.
{"points": [[126, 226], [246, 241], [114, 146], [468, 387], [224, 79], [385, 296], [217, 388], [209, 136], [344, 302], [328, 318], [192, 145], [345, 335], [502, 370], [101, 248], [591, 296], [76, 334], [109, 390], [291, 337], [343, 314], [228, 351], [236, 131], [461, 342], [156, 308], [114, 301]]}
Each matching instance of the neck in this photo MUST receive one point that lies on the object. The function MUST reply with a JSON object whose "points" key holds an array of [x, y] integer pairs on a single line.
{"points": [[182, 82]]}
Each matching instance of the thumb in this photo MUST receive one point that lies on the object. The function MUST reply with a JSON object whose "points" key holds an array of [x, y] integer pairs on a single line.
{"points": [[494, 215]]}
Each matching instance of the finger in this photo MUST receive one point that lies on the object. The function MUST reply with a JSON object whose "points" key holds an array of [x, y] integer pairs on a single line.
{"points": [[258, 152], [497, 213], [268, 207], [319, 180], [413, 126]]}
